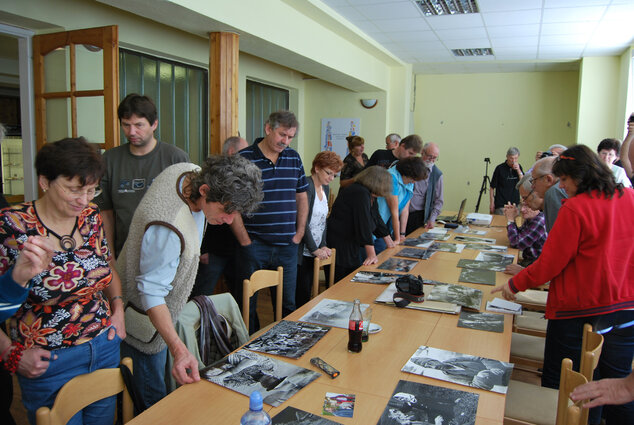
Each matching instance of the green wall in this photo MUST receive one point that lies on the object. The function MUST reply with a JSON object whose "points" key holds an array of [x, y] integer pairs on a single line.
{"points": [[473, 116]]}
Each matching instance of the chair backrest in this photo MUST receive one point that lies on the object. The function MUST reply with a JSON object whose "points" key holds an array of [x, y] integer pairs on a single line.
{"points": [[84, 390], [569, 414], [258, 280], [591, 346], [318, 265]]}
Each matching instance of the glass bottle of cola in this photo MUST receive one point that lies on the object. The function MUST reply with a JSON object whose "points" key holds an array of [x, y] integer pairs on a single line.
{"points": [[355, 328]]}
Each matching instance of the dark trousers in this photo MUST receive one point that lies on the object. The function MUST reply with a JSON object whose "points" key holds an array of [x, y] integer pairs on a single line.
{"points": [[563, 340], [305, 280], [416, 219]]}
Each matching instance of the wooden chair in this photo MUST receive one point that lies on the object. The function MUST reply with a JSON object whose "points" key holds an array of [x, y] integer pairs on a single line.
{"points": [[527, 352], [591, 346], [531, 404], [318, 265], [532, 299], [84, 390], [262, 279], [530, 323]]}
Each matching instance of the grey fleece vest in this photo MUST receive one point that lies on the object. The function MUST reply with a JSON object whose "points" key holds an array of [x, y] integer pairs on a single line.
{"points": [[161, 205]]}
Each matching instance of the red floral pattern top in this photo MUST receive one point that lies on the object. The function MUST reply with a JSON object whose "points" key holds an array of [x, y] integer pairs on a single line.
{"points": [[65, 305]]}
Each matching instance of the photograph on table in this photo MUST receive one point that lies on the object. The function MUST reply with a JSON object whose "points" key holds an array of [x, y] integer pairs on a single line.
{"points": [[245, 371], [466, 230], [288, 339], [481, 321], [464, 369], [292, 416], [432, 236], [341, 405], [375, 277], [485, 277], [481, 265], [474, 239], [397, 265], [497, 257], [456, 294], [486, 247], [387, 297], [456, 248], [420, 243], [421, 254], [331, 313], [415, 403]]}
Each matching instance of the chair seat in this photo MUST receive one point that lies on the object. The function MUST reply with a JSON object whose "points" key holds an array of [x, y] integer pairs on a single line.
{"points": [[527, 346], [532, 296], [531, 320], [531, 403]]}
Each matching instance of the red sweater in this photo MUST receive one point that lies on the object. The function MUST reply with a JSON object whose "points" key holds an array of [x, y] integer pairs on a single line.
{"points": [[588, 258]]}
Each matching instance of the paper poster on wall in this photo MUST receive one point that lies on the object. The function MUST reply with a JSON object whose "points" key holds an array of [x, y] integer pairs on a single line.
{"points": [[334, 132]]}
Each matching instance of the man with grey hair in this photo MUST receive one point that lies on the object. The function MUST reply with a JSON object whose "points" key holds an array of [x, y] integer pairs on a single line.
{"points": [[427, 200], [391, 141], [553, 150], [409, 146], [233, 145], [544, 183], [159, 260], [505, 178], [270, 236]]}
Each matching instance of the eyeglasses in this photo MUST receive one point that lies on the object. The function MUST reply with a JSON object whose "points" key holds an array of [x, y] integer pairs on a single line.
{"points": [[524, 198], [430, 157], [78, 193], [330, 173], [531, 180]]}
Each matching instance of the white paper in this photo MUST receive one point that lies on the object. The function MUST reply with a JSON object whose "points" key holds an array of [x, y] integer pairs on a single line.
{"points": [[502, 306]]}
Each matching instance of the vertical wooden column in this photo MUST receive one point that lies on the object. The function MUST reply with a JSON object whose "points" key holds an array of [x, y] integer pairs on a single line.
{"points": [[223, 88]]}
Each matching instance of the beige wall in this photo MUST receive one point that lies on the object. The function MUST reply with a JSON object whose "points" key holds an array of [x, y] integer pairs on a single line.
{"points": [[473, 116]]}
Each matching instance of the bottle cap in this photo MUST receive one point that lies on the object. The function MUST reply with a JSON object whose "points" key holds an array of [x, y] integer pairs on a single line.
{"points": [[255, 401]]}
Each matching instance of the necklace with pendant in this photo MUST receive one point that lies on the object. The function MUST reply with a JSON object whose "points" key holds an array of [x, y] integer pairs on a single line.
{"points": [[67, 242]]}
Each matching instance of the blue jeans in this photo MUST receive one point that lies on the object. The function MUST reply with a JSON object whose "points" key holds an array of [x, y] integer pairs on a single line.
{"points": [[260, 255], [563, 340], [209, 274], [148, 373], [98, 353]]}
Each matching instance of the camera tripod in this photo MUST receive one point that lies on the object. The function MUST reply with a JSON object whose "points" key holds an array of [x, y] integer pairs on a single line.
{"points": [[486, 182]]}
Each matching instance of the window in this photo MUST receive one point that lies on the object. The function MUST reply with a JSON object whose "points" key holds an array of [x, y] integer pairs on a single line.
{"points": [[262, 99], [180, 92]]}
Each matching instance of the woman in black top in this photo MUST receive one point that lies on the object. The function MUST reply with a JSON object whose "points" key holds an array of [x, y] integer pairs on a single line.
{"points": [[355, 217], [354, 162]]}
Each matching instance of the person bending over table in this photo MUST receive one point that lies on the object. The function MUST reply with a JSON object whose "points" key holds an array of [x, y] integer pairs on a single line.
{"points": [[72, 320], [354, 218], [588, 259], [325, 165]]}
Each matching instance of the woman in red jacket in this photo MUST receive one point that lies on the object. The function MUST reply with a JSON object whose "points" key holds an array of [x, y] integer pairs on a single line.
{"points": [[589, 260]]}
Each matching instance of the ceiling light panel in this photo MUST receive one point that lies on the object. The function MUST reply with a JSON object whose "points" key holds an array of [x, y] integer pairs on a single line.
{"points": [[447, 7], [472, 52]]}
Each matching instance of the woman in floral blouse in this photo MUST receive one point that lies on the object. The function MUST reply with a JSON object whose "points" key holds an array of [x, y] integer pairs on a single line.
{"points": [[72, 320]]}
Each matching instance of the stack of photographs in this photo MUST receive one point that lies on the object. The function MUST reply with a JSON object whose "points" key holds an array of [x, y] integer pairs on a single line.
{"points": [[485, 247], [375, 277], [481, 265], [447, 247], [421, 254], [414, 403], [288, 339], [420, 243], [387, 297], [485, 277], [474, 239], [465, 230], [464, 369], [293, 416], [497, 257], [397, 265], [456, 294], [481, 321], [329, 312], [245, 371]]}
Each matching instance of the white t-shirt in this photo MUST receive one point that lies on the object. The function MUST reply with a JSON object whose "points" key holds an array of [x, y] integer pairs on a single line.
{"points": [[620, 176], [317, 222]]}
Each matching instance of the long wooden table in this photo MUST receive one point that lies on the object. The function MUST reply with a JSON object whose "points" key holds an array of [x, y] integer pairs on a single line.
{"points": [[372, 374]]}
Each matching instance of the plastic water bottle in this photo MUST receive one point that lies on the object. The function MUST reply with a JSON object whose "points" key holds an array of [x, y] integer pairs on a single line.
{"points": [[255, 415]]}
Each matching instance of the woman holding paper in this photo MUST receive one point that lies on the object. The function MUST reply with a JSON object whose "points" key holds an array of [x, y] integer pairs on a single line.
{"points": [[588, 258]]}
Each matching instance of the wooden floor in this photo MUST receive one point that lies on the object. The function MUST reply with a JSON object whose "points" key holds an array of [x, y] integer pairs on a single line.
{"points": [[265, 314]]}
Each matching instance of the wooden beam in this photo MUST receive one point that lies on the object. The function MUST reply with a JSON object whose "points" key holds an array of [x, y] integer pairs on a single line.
{"points": [[223, 88]]}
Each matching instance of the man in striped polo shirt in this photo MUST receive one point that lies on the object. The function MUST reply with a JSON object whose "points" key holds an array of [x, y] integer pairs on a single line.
{"points": [[270, 236]]}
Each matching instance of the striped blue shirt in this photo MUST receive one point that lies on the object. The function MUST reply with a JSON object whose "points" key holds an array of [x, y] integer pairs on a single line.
{"points": [[275, 222]]}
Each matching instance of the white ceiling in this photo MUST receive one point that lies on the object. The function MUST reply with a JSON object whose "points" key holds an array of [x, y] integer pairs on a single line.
{"points": [[525, 35]]}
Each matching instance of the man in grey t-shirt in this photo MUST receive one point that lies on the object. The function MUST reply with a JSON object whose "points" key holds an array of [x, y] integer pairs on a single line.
{"points": [[131, 168]]}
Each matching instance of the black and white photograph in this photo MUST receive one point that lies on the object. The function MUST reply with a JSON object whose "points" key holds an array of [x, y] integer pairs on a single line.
{"points": [[485, 247], [413, 403], [457, 294], [464, 369], [420, 243], [474, 239], [293, 416], [421, 254], [485, 277], [496, 257], [433, 236], [397, 265], [387, 297], [375, 277], [456, 248], [331, 313], [245, 371], [288, 339], [481, 321], [482, 265], [466, 230]]}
